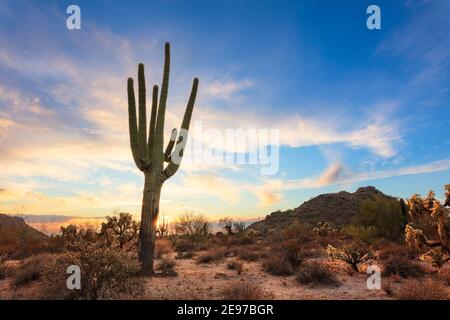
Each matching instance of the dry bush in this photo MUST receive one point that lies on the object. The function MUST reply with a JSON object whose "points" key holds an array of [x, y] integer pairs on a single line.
{"points": [[192, 226], [32, 269], [444, 276], [212, 255], [250, 255], [162, 247], [236, 265], [354, 253], [423, 290], [3, 267], [278, 266], [402, 266], [387, 287], [167, 266], [107, 271], [292, 251], [183, 244], [285, 257], [387, 250], [316, 274], [243, 290]]}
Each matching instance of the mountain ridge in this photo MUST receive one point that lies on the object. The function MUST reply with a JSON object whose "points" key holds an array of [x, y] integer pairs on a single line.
{"points": [[337, 208]]}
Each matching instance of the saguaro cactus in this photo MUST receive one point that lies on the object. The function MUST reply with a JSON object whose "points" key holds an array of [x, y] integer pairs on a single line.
{"points": [[149, 156]]}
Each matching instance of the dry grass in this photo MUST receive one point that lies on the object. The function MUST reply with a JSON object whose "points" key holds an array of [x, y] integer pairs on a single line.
{"points": [[316, 274], [212, 255], [32, 269], [243, 290], [423, 290]]}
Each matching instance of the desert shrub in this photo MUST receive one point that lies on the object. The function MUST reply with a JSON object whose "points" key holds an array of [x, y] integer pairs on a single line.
{"points": [[248, 254], [444, 276], [211, 255], [392, 249], [361, 233], [243, 290], [107, 271], [324, 229], [192, 226], [387, 287], [235, 265], [292, 251], [354, 253], [30, 270], [278, 265], [167, 266], [3, 267], [120, 228], [181, 244], [386, 215], [316, 274], [240, 239], [298, 231], [401, 266], [162, 247], [423, 290]]}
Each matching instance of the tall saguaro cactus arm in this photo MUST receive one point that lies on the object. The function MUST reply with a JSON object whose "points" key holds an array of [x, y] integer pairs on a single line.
{"points": [[177, 155], [148, 152]]}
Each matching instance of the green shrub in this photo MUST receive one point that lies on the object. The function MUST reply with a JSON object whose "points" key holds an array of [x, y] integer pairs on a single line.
{"points": [[385, 215], [361, 233]]}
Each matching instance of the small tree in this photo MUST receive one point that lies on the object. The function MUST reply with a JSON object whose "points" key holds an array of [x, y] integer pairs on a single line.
{"points": [[354, 253], [191, 225], [384, 216], [227, 224], [120, 228]]}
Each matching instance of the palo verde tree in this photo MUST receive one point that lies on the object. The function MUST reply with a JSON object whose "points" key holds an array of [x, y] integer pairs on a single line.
{"points": [[148, 153]]}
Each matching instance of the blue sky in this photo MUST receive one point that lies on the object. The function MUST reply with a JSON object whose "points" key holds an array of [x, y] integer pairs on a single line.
{"points": [[353, 106]]}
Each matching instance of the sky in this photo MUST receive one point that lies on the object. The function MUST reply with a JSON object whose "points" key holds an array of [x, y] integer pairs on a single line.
{"points": [[351, 106]]}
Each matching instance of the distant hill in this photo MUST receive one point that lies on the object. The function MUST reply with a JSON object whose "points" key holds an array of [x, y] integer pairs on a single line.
{"points": [[337, 208], [14, 229]]}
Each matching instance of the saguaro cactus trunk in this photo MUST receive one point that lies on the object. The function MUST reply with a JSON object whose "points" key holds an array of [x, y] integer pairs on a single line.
{"points": [[148, 153]]}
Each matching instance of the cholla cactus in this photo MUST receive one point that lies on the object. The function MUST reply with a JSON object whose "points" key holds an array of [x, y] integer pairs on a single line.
{"points": [[148, 153], [324, 229], [354, 254], [439, 219]]}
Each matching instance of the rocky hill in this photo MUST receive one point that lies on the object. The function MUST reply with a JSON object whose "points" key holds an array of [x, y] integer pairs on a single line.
{"points": [[337, 208], [14, 229]]}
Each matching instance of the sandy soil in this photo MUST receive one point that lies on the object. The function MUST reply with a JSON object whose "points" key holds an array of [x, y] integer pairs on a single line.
{"points": [[206, 281]]}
